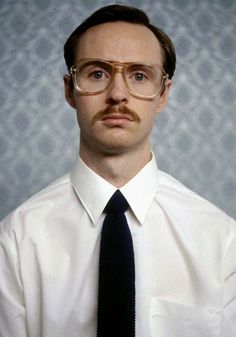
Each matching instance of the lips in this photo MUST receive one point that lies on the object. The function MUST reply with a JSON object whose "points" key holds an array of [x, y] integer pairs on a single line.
{"points": [[116, 116], [116, 119]]}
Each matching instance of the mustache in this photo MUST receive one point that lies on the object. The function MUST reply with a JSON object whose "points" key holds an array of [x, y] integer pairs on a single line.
{"points": [[116, 109]]}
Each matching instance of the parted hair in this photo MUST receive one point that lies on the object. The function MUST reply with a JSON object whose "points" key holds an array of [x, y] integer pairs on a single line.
{"points": [[124, 13]]}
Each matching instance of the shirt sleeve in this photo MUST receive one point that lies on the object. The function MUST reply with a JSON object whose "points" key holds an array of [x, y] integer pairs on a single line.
{"points": [[228, 327], [12, 309]]}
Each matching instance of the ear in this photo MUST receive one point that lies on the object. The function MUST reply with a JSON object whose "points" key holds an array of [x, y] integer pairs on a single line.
{"points": [[68, 88], [162, 101]]}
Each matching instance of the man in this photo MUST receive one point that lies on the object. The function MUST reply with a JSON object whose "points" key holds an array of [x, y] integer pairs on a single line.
{"points": [[120, 70]]}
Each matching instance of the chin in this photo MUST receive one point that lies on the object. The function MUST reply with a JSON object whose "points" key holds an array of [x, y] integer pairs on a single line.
{"points": [[114, 149]]}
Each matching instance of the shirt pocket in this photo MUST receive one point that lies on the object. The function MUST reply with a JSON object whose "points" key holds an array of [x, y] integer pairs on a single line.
{"points": [[168, 319]]}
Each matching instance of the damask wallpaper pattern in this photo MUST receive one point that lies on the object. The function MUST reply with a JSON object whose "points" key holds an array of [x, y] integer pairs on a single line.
{"points": [[193, 139]]}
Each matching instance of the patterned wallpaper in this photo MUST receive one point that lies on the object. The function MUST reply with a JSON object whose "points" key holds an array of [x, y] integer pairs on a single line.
{"points": [[194, 138]]}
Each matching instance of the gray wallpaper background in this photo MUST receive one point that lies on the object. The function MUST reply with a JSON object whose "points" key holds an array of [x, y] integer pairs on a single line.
{"points": [[193, 139]]}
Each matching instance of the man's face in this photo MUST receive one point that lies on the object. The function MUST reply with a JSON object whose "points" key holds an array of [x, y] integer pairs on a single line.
{"points": [[118, 130]]}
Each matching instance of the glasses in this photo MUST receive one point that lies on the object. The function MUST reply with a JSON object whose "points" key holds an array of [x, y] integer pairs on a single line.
{"points": [[94, 76]]}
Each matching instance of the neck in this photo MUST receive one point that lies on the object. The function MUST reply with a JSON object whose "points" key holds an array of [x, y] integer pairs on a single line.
{"points": [[117, 169]]}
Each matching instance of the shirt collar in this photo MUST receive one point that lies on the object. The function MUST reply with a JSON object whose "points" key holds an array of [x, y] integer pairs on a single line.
{"points": [[94, 192]]}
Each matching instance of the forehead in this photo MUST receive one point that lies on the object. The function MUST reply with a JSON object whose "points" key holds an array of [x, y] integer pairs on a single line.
{"points": [[120, 41]]}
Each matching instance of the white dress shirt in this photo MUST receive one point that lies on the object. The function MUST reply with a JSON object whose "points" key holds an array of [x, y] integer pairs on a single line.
{"points": [[185, 259]]}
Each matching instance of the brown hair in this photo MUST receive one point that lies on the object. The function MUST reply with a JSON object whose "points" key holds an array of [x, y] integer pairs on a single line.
{"points": [[125, 13]]}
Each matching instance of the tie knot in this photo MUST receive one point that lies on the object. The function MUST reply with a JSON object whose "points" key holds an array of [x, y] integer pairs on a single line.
{"points": [[117, 203]]}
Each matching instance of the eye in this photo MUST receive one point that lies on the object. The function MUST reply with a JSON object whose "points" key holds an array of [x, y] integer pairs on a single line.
{"points": [[93, 72], [139, 76], [97, 75], [137, 73]]}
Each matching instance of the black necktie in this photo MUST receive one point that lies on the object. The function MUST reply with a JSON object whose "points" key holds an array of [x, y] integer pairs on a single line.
{"points": [[116, 293]]}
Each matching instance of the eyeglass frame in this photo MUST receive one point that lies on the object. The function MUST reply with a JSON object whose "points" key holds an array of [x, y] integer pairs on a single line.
{"points": [[118, 67]]}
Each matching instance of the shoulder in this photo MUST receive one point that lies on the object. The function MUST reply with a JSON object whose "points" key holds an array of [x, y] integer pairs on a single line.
{"points": [[38, 205], [189, 207]]}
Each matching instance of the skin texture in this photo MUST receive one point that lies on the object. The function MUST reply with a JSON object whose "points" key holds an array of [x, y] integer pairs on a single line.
{"points": [[115, 126]]}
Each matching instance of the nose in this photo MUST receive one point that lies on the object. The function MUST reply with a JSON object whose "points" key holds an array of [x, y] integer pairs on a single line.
{"points": [[117, 91]]}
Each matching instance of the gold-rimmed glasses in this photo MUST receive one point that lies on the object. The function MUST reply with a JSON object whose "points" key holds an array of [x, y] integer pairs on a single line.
{"points": [[94, 76]]}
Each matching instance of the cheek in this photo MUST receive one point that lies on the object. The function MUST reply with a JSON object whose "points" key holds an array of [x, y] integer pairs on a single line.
{"points": [[83, 119], [149, 114], [148, 110], [84, 110], [88, 106]]}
